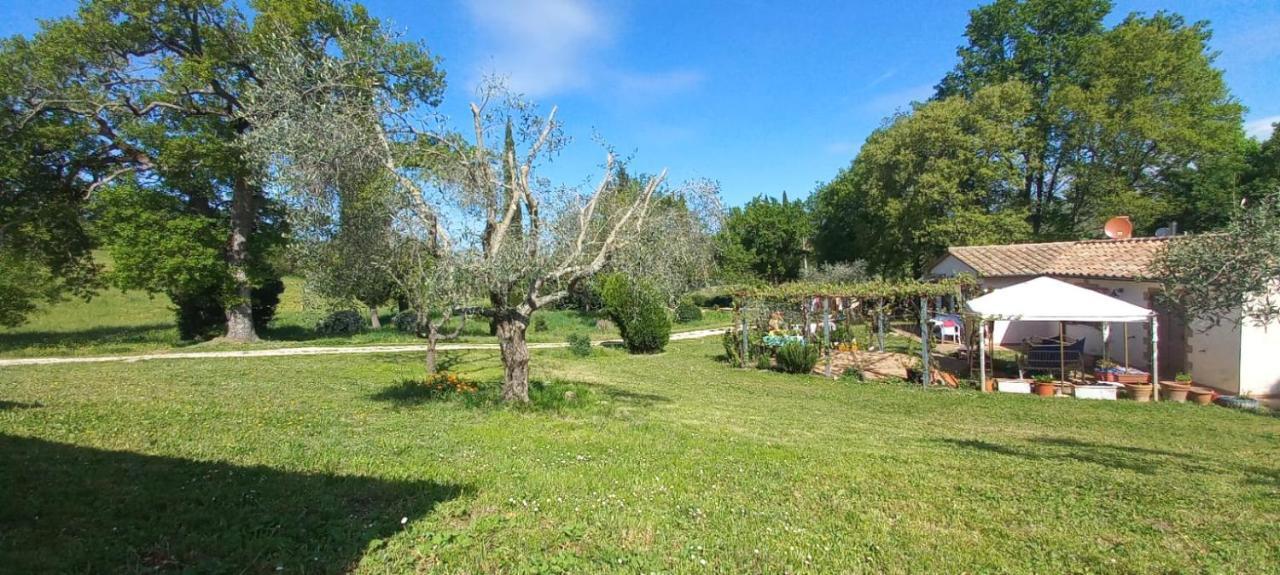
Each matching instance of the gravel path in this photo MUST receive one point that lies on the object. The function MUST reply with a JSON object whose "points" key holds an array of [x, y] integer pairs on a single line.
{"points": [[314, 350]]}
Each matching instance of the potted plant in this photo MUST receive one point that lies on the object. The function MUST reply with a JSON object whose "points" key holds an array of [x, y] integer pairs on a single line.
{"points": [[1045, 385], [1202, 395], [1140, 392], [1105, 370], [1177, 389]]}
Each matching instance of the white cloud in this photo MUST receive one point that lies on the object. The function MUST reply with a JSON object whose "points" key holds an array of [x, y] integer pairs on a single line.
{"points": [[542, 47], [550, 47], [1260, 129]]}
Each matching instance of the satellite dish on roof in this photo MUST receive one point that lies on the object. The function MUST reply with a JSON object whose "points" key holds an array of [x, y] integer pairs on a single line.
{"points": [[1164, 232], [1118, 228]]}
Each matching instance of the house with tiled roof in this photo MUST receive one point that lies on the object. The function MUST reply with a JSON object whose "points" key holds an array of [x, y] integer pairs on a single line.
{"points": [[1230, 358]]}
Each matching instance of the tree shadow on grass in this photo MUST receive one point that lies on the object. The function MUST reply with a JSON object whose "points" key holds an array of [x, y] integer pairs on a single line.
{"points": [[164, 333], [6, 405], [1122, 457], [65, 508], [632, 398], [544, 396]]}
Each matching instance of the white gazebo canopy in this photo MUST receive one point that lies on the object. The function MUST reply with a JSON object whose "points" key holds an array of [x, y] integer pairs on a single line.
{"points": [[1048, 299]]}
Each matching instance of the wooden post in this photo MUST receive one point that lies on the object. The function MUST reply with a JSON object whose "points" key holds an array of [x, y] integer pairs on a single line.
{"points": [[880, 324], [982, 354], [826, 330], [924, 338], [745, 346], [1062, 350], [1126, 346]]}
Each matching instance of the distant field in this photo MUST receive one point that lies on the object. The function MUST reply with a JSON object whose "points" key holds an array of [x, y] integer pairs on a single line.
{"points": [[672, 463], [115, 322]]}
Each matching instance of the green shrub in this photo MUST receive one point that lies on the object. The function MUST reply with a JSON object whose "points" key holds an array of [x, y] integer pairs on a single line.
{"points": [[540, 324], [639, 311], [763, 362], [204, 315], [712, 297], [688, 312], [341, 322], [797, 357], [406, 321], [732, 341], [579, 344]]}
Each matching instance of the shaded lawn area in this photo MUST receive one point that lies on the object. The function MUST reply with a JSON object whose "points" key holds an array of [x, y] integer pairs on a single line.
{"points": [[116, 322], [659, 463]]}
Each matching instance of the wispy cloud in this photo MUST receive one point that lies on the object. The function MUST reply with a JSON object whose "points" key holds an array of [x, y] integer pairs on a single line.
{"points": [[1260, 129], [882, 77], [542, 47], [552, 47], [900, 99], [1252, 43], [656, 84]]}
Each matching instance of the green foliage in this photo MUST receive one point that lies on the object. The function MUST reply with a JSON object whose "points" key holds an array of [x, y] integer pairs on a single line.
{"points": [[1182, 377], [341, 323], [731, 340], [406, 321], [638, 310], [540, 324], [712, 297], [1228, 276], [1049, 124], [579, 344], [24, 282], [687, 312], [797, 357], [764, 239], [764, 362]]}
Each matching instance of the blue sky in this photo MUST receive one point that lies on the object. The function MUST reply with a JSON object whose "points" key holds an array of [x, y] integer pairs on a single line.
{"points": [[762, 96]]}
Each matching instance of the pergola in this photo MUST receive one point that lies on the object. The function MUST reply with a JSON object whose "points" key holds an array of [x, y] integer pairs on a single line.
{"points": [[880, 295], [1048, 299]]}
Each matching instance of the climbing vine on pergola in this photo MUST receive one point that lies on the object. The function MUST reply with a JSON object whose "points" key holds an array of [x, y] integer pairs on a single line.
{"points": [[876, 298]]}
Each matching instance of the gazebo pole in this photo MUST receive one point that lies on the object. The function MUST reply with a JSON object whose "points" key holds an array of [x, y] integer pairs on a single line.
{"points": [[1106, 341], [826, 330], [745, 344], [982, 353], [1062, 350], [1155, 358]]}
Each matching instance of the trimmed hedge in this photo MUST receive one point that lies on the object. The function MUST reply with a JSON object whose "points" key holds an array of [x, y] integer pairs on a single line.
{"points": [[639, 311]]}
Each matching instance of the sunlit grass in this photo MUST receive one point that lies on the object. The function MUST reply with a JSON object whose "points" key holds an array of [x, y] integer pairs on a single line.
{"points": [[657, 463]]}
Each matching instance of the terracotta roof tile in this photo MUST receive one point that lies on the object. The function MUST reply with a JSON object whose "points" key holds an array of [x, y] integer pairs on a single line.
{"points": [[1114, 259]]}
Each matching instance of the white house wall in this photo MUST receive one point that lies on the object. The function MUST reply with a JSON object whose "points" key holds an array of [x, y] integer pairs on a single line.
{"points": [[1215, 355], [1260, 359]]}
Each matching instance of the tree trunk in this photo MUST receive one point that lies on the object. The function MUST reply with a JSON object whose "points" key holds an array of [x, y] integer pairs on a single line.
{"points": [[374, 321], [515, 357], [432, 363], [240, 310]]}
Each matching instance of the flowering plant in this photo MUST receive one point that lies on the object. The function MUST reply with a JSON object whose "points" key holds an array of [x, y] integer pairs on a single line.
{"points": [[445, 382]]}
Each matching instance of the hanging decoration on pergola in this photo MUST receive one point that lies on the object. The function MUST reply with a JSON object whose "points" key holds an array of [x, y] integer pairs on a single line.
{"points": [[874, 298]]}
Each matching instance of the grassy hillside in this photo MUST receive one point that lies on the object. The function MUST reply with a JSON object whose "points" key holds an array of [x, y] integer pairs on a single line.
{"points": [[669, 463], [115, 322]]}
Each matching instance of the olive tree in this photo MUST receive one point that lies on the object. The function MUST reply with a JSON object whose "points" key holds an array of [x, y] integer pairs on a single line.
{"points": [[471, 199]]}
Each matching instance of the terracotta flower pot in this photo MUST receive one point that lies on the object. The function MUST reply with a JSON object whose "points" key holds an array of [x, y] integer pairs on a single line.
{"points": [[1140, 392], [1046, 388], [1175, 391], [1202, 395]]}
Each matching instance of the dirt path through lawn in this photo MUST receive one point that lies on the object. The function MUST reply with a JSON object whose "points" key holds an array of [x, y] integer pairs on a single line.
{"points": [[314, 350]]}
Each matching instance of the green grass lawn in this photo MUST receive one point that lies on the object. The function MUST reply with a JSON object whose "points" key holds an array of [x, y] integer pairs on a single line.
{"points": [[666, 463], [116, 322]]}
